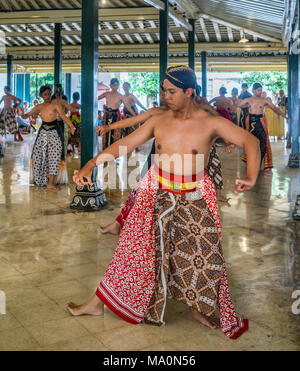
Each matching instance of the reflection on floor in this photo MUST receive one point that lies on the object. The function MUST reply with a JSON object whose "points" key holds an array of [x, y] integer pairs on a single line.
{"points": [[50, 254]]}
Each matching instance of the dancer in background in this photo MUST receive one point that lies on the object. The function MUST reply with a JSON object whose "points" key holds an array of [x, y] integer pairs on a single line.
{"points": [[257, 125], [244, 111], [8, 119], [48, 150], [233, 109], [111, 112], [58, 98], [222, 103], [131, 101], [74, 140]]}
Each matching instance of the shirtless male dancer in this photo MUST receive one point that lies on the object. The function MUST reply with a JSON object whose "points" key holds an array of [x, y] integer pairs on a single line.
{"points": [[170, 245], [8, 120], [257, 125], [111, 112], [222, 103], [130, 100], [213, 166], [48, 147], [76, 121], [233, 109]]}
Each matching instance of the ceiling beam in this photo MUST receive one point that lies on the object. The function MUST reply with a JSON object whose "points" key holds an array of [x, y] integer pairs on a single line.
{"points": [[70, 50], [159, 5], [71, 15], [110, 31], [236, 27], [288, 20]]}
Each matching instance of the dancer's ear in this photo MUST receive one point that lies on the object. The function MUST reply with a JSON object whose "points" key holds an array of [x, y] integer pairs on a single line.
{"points": [[189, 92]]}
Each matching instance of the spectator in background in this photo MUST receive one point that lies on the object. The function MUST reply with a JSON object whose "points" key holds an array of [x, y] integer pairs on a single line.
{"points": [[245, 110]]}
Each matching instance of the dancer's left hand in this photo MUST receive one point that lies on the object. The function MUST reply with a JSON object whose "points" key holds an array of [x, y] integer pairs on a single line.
{"points": [[85, 172], [242, 185], [72, 129], [229, 148]]}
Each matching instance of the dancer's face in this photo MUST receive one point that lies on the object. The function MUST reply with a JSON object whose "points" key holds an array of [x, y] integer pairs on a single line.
{"points": [[126, 88], [46, 95], [114, 87], [175, 98], [258, 92]]}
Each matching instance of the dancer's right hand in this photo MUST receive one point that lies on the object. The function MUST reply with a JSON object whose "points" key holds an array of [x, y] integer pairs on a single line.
{"points": [[101, 130], [85, 172], [242, 185]]}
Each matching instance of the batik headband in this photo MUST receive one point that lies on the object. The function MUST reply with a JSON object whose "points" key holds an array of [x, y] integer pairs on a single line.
{"points": [[182, 77], [256, 86]]}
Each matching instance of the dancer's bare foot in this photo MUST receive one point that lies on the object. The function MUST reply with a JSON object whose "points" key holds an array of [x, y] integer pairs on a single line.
{"points": [[206, 321], [93, 307], [220, 196], [114, 228], [51, 187]]}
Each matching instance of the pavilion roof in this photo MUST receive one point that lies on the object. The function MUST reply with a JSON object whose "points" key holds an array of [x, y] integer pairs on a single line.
{"points": [[129, 31]]}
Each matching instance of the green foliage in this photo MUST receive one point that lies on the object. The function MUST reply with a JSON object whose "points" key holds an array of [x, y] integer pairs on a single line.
{"points": [[272, 80], [37, 80], [144, 83]]}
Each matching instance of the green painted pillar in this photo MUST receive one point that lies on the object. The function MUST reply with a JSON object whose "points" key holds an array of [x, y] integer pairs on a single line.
{"points": [[295, 111], [20, 86], [89, 81], [191, 42], [57, 53], [163, 45], [288, 142], [36, 86], [9, 80], [89, 197], [68, 87], [27, 88], [204, 74]]}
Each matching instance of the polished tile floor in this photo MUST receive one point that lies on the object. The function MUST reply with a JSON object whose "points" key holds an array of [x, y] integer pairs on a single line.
{"points": [[50, 255]]}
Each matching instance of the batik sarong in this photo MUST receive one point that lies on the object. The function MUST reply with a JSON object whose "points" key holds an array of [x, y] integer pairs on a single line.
{"points": [[223, 112], [47, 155], [257, 125], [234, 118], [243, 116], [131, 129], [110, 116], [170, 247], [214, 168], [8, 122]]}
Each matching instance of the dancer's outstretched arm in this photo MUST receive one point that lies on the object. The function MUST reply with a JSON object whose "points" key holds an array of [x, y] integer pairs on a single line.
{"points": [[131, 121], [242, 138], [275, 109], [128, 144]]}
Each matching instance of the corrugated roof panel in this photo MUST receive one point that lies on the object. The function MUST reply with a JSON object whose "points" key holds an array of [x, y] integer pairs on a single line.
{"points": [[264, 16]]}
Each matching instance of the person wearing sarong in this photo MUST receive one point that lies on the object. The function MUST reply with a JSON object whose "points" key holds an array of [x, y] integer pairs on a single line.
{"points": [[170, 244], [47, 159], [74, 140], [257, 125], [130, 107], [111, 112], [222, 103], [213, 169], [233, 108], [244, 111], [59, 98], [8, 119]]}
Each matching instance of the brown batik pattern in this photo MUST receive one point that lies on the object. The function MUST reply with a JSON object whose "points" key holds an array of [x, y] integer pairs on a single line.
{"points": [[214, 168], [190, 250]]}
